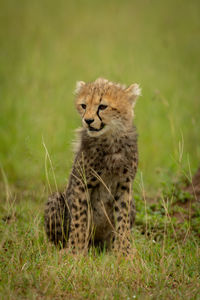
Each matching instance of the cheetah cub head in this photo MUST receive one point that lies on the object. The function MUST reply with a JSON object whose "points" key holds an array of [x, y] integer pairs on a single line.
{"points": [[105, 106]]}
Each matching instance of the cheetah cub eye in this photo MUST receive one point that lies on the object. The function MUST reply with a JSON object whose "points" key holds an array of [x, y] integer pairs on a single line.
{"points": [[83, 106], [102, 107]]}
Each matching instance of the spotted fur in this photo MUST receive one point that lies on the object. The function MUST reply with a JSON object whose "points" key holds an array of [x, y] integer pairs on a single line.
{"points": [[97, 205]]}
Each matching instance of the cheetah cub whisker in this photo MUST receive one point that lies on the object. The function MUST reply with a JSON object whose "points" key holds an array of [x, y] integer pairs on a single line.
{"points": [[97, 205]]}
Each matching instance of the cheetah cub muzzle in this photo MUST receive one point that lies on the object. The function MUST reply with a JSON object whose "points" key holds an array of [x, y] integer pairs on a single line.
{"points": [[97, 205]]}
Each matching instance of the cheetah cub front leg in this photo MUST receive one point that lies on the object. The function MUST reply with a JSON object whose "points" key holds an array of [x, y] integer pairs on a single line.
{"points": [[122, 207], [79, 231]]}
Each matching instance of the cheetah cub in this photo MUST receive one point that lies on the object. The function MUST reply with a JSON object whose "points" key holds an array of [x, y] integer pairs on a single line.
{"points": [[97, 206]]}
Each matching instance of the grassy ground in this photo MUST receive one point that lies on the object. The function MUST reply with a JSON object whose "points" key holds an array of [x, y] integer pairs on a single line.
{"points": [[45, 47]]}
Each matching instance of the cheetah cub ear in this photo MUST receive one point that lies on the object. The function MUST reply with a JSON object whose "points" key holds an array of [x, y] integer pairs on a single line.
{"points": [[79, 86], [133, 92]]}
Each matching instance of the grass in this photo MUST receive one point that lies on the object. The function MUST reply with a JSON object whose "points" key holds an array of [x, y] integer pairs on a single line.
{"points": [[45, 48], [164, 264]]}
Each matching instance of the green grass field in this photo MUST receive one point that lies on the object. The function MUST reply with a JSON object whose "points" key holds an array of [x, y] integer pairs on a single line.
{"points": [[45, 47]]}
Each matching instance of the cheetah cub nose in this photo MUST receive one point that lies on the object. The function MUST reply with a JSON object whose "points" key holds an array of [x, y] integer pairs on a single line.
{"points": [[89, 121]]}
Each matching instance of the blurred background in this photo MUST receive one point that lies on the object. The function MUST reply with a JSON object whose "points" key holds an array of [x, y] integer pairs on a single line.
{"points": [[46, 46]]}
